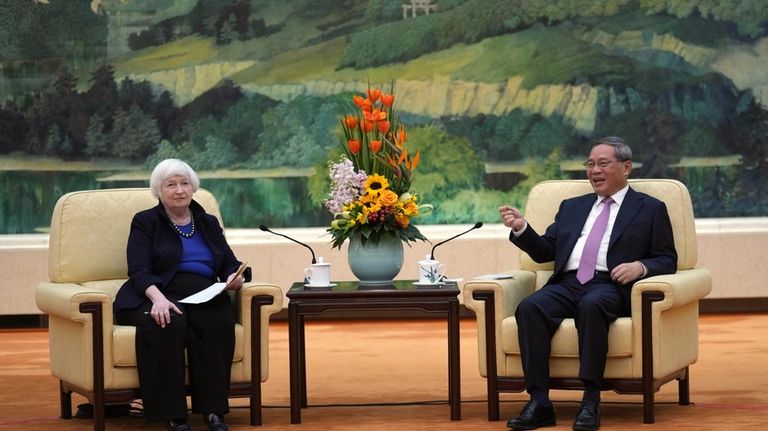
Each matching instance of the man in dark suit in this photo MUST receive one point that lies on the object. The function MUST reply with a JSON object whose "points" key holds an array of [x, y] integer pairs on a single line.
{"points": [[592, 279]]}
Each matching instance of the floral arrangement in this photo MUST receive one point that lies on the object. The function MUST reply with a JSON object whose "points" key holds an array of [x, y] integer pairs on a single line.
{"points": [[370, 183]]}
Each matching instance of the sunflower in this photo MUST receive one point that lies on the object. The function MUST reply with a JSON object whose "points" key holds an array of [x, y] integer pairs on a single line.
{"points": [[376, 183], [368, 198], [371, 207]]}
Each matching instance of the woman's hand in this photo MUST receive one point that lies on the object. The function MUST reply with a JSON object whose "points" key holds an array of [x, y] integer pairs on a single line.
{"points": [[162, 308], [235, 281]]}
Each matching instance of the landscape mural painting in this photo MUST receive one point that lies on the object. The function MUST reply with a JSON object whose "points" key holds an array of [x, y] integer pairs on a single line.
{"points": [[497, 95]]}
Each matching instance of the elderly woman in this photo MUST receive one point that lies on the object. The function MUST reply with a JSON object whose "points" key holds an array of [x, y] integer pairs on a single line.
{"points": [[174, 250]]}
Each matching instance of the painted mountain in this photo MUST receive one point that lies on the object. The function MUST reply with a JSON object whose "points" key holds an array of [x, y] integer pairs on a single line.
{"points": [[498, 94]]}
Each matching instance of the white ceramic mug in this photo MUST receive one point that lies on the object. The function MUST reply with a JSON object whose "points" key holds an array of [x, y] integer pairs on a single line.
{"points": [[319, 274], [430, 271]]}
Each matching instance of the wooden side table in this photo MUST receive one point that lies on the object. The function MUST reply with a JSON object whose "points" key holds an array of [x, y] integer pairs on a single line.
{"points": [[350, 295]]}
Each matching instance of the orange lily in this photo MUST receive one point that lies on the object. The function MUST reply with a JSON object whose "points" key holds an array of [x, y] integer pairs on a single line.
{"points": [[376, 115], [375, 146], [351, 122], [354, 146], [368, 126], [374, 94], [387, 99], [363, 104], [358, 101], [383, 126]]}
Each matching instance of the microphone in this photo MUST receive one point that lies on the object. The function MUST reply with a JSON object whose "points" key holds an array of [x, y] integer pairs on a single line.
{"points": [[266, 229], [477, 225]]}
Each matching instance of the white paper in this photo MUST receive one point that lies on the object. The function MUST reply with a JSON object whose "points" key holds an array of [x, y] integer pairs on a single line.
{"points": [[211, 291], [206, 294], [494, 277]]}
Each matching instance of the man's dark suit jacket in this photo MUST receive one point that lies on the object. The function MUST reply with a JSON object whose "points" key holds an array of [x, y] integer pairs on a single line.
{"points": [[642, 231], [154, 253]]}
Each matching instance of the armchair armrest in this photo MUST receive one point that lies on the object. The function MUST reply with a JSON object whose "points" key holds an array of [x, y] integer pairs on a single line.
{"points": [[492, 301], [65, 299], [680, 288], [667, 304], [264, 300], [507, 292], [258, 289], [80, 329]]}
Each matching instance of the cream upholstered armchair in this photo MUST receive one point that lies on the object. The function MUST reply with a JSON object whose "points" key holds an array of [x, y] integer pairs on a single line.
{"points": [[92, 356], [654, 346]]}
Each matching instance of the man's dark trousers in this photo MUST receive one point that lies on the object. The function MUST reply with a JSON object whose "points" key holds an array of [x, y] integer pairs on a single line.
{"points": [[594, 306]]}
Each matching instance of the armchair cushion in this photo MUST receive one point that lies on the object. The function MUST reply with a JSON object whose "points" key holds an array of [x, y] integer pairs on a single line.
{"points": [[565, 341]]}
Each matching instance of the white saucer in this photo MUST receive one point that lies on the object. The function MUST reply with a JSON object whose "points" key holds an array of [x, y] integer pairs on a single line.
{"points": [[439, 283], [320, 286]]}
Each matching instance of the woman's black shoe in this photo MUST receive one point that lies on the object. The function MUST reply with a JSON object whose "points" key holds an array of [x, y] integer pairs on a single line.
{"points": [[215, 422]]}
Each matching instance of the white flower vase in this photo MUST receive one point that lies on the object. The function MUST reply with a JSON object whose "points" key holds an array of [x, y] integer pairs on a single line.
{"points": [[375, 263]]}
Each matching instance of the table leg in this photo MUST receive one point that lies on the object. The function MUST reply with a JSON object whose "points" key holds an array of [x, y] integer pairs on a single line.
{"points": [[454, 360], [294, 359], [303, 359]]}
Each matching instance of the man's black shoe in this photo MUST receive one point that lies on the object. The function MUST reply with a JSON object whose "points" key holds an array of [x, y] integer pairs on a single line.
{"points": [[588, 418], [533, 415], [215, 422], [178, 425]]}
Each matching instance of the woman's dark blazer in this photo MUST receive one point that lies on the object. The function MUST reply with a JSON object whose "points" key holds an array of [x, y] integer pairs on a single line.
{"points": [[154, 253]]}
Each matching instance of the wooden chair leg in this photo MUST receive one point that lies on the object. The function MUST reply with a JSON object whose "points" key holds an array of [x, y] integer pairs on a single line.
{"points": [[65, 402], [99, 404], [99, 417], [255, 405], [490, 351], [649, 416], [493, 400], [648, 298], [255, 399], [683, 388]]}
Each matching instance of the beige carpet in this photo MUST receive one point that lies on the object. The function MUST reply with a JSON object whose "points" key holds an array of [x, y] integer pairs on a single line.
{"points": [[392, 375]]}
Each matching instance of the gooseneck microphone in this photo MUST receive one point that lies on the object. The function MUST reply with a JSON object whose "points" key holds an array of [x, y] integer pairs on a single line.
{"points": [[477, 225], [266, 229]]}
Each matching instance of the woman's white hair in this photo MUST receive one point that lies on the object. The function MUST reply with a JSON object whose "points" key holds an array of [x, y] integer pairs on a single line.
{"points": [[169, 168]]}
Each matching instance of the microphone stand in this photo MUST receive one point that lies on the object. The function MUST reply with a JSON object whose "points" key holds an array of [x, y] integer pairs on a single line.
{"points": [[477, 225], [266, 229]]}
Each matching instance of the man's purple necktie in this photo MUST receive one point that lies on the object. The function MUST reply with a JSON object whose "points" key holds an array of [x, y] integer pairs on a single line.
{"points": [[589, 256]]}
